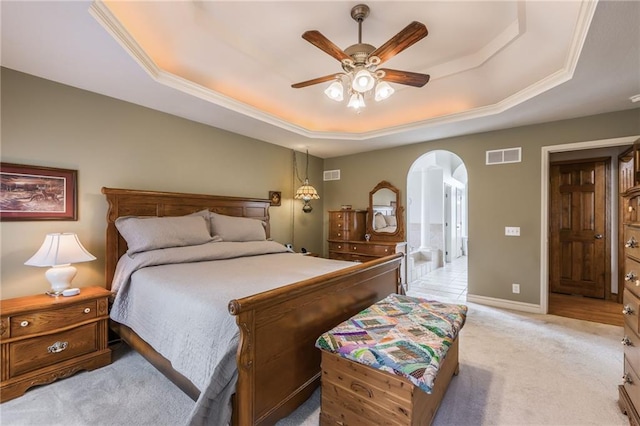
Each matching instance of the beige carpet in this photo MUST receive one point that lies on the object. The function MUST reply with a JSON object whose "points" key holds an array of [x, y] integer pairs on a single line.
{"points": [[515, 369]]}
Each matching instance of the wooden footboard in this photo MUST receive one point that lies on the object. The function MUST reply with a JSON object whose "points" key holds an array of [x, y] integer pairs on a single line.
{"points": [[278, 364]]}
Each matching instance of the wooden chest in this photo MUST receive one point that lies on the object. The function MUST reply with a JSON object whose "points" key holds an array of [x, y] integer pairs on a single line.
{"points": [[354, 394]]}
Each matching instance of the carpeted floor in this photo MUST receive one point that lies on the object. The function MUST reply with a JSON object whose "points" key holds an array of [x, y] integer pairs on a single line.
{"points": [[515, 369]]}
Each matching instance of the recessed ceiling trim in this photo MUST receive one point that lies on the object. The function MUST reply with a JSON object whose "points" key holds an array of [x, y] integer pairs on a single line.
{"points": [[108, 20], [469, 62]]}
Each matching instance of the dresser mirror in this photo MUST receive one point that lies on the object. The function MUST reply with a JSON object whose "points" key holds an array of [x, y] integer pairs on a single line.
{"points": [[385, 214]]}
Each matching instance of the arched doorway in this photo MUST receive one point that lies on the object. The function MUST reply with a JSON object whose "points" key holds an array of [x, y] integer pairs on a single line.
{"points": [[437, 226]]}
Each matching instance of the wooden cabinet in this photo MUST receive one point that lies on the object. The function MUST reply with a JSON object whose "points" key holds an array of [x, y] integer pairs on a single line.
{"points": [[629, 280], [45, 338], [347, 242], [347, 225]]}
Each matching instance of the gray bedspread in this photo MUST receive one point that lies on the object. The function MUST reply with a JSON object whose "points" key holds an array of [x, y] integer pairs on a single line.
{"points": [[176, 300]]}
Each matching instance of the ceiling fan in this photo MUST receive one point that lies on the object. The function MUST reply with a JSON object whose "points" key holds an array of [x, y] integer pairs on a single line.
{"points": [[360, 63]]}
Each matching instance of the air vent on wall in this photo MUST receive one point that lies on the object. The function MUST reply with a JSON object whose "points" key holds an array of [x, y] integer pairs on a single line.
{"points": [[331, 175], [503, 156]]}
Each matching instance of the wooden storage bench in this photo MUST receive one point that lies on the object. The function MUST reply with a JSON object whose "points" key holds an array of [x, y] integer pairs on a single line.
{"points": [[390, 364]]}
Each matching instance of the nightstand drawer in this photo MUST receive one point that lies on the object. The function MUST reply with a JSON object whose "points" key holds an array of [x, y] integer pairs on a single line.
{"points": [[32, 354], [37, 322]]}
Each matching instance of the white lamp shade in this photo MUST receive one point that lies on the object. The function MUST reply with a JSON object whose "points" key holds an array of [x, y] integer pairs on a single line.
{"points": [[60, 249], [335, 91], [363, 81], [383, 91], [356, 101]]}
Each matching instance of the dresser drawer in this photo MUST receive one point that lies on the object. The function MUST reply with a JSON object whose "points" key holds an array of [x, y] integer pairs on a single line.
{"points": [[631, 343], [333, 246], [631, 383], [42, 321], [32, 354], [631, 304], [632, 241], [344, 235], [632, 275], [372, 249]]}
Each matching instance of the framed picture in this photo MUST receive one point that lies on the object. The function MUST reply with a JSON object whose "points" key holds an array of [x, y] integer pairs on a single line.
{"points": [[37, 193], [275, 197]]}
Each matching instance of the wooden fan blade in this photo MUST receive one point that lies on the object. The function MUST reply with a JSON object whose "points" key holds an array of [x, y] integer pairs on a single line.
{"points": [[315, 81], [321, 42], [411, 34], [405, 77]]}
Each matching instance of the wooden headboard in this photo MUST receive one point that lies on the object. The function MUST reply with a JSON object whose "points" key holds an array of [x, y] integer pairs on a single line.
{"points": [[129, 202]]}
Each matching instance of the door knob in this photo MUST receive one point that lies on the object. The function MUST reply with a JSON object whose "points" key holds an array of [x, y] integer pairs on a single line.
{"points": [[598, 236]]}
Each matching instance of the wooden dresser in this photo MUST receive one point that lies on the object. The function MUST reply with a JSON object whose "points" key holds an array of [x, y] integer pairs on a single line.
{"points": [[347, 225], [45, 338], [629, 391], [346, 239]]}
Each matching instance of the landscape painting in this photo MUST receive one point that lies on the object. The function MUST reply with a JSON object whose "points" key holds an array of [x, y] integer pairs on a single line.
{"points": [[37, 193]]}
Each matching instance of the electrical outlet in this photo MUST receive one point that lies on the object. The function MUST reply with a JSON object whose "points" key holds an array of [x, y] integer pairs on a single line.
{"points": [[515, 288], [512, 231]]}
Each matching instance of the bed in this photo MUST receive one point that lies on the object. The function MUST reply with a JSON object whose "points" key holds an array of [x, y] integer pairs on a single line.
{"points": [[277, 365]]}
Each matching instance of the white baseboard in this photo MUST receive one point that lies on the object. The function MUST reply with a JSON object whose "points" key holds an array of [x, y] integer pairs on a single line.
{"points": [[505, 304]]}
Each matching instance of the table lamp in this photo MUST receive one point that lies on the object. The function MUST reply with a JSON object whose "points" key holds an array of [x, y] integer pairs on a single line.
{"points": [[60, 250]]}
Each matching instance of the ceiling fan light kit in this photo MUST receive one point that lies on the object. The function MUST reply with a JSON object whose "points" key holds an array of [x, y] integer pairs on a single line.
{"points": [[360, 61]]}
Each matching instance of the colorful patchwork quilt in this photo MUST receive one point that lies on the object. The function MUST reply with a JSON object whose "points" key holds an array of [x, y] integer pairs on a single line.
{"points": [[402, 335]]}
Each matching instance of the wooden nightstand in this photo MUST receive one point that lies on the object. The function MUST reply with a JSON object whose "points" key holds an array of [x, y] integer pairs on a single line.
{"points": [[45, 338]]}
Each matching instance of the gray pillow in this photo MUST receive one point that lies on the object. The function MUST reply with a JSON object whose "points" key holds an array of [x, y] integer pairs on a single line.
{"points": [[232, 228], [151, 233], [205, 214]]}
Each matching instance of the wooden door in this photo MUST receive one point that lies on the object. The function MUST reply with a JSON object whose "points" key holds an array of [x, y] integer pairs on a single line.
{"points": [[579, 261]]}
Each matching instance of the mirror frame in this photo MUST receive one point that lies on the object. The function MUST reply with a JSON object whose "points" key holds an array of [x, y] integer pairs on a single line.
{"points": [[397, 236]]}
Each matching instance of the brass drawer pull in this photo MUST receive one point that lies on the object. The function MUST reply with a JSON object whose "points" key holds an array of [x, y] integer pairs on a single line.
{"points": [[627, 310], [57, 347], [339, 247], [631, 243], [87, 310], [626, 379], [24, 323]]}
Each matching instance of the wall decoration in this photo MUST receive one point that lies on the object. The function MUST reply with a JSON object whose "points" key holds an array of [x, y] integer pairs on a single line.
{"points": [[37, 193], [275, 197]]}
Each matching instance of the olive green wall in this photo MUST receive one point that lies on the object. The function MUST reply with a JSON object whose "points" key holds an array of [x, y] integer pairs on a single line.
{"points": [[117, 144], [499, 195]]}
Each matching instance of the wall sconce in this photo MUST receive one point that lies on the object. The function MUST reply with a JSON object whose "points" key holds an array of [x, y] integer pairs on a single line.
{"points": [[59, 251], [306, 192]]}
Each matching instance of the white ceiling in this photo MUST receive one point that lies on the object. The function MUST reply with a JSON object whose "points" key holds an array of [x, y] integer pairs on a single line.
{"points": [[230, 64]]}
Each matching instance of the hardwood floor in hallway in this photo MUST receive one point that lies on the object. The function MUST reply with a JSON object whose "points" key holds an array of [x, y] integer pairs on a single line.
{"points": [[586, 308]]}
